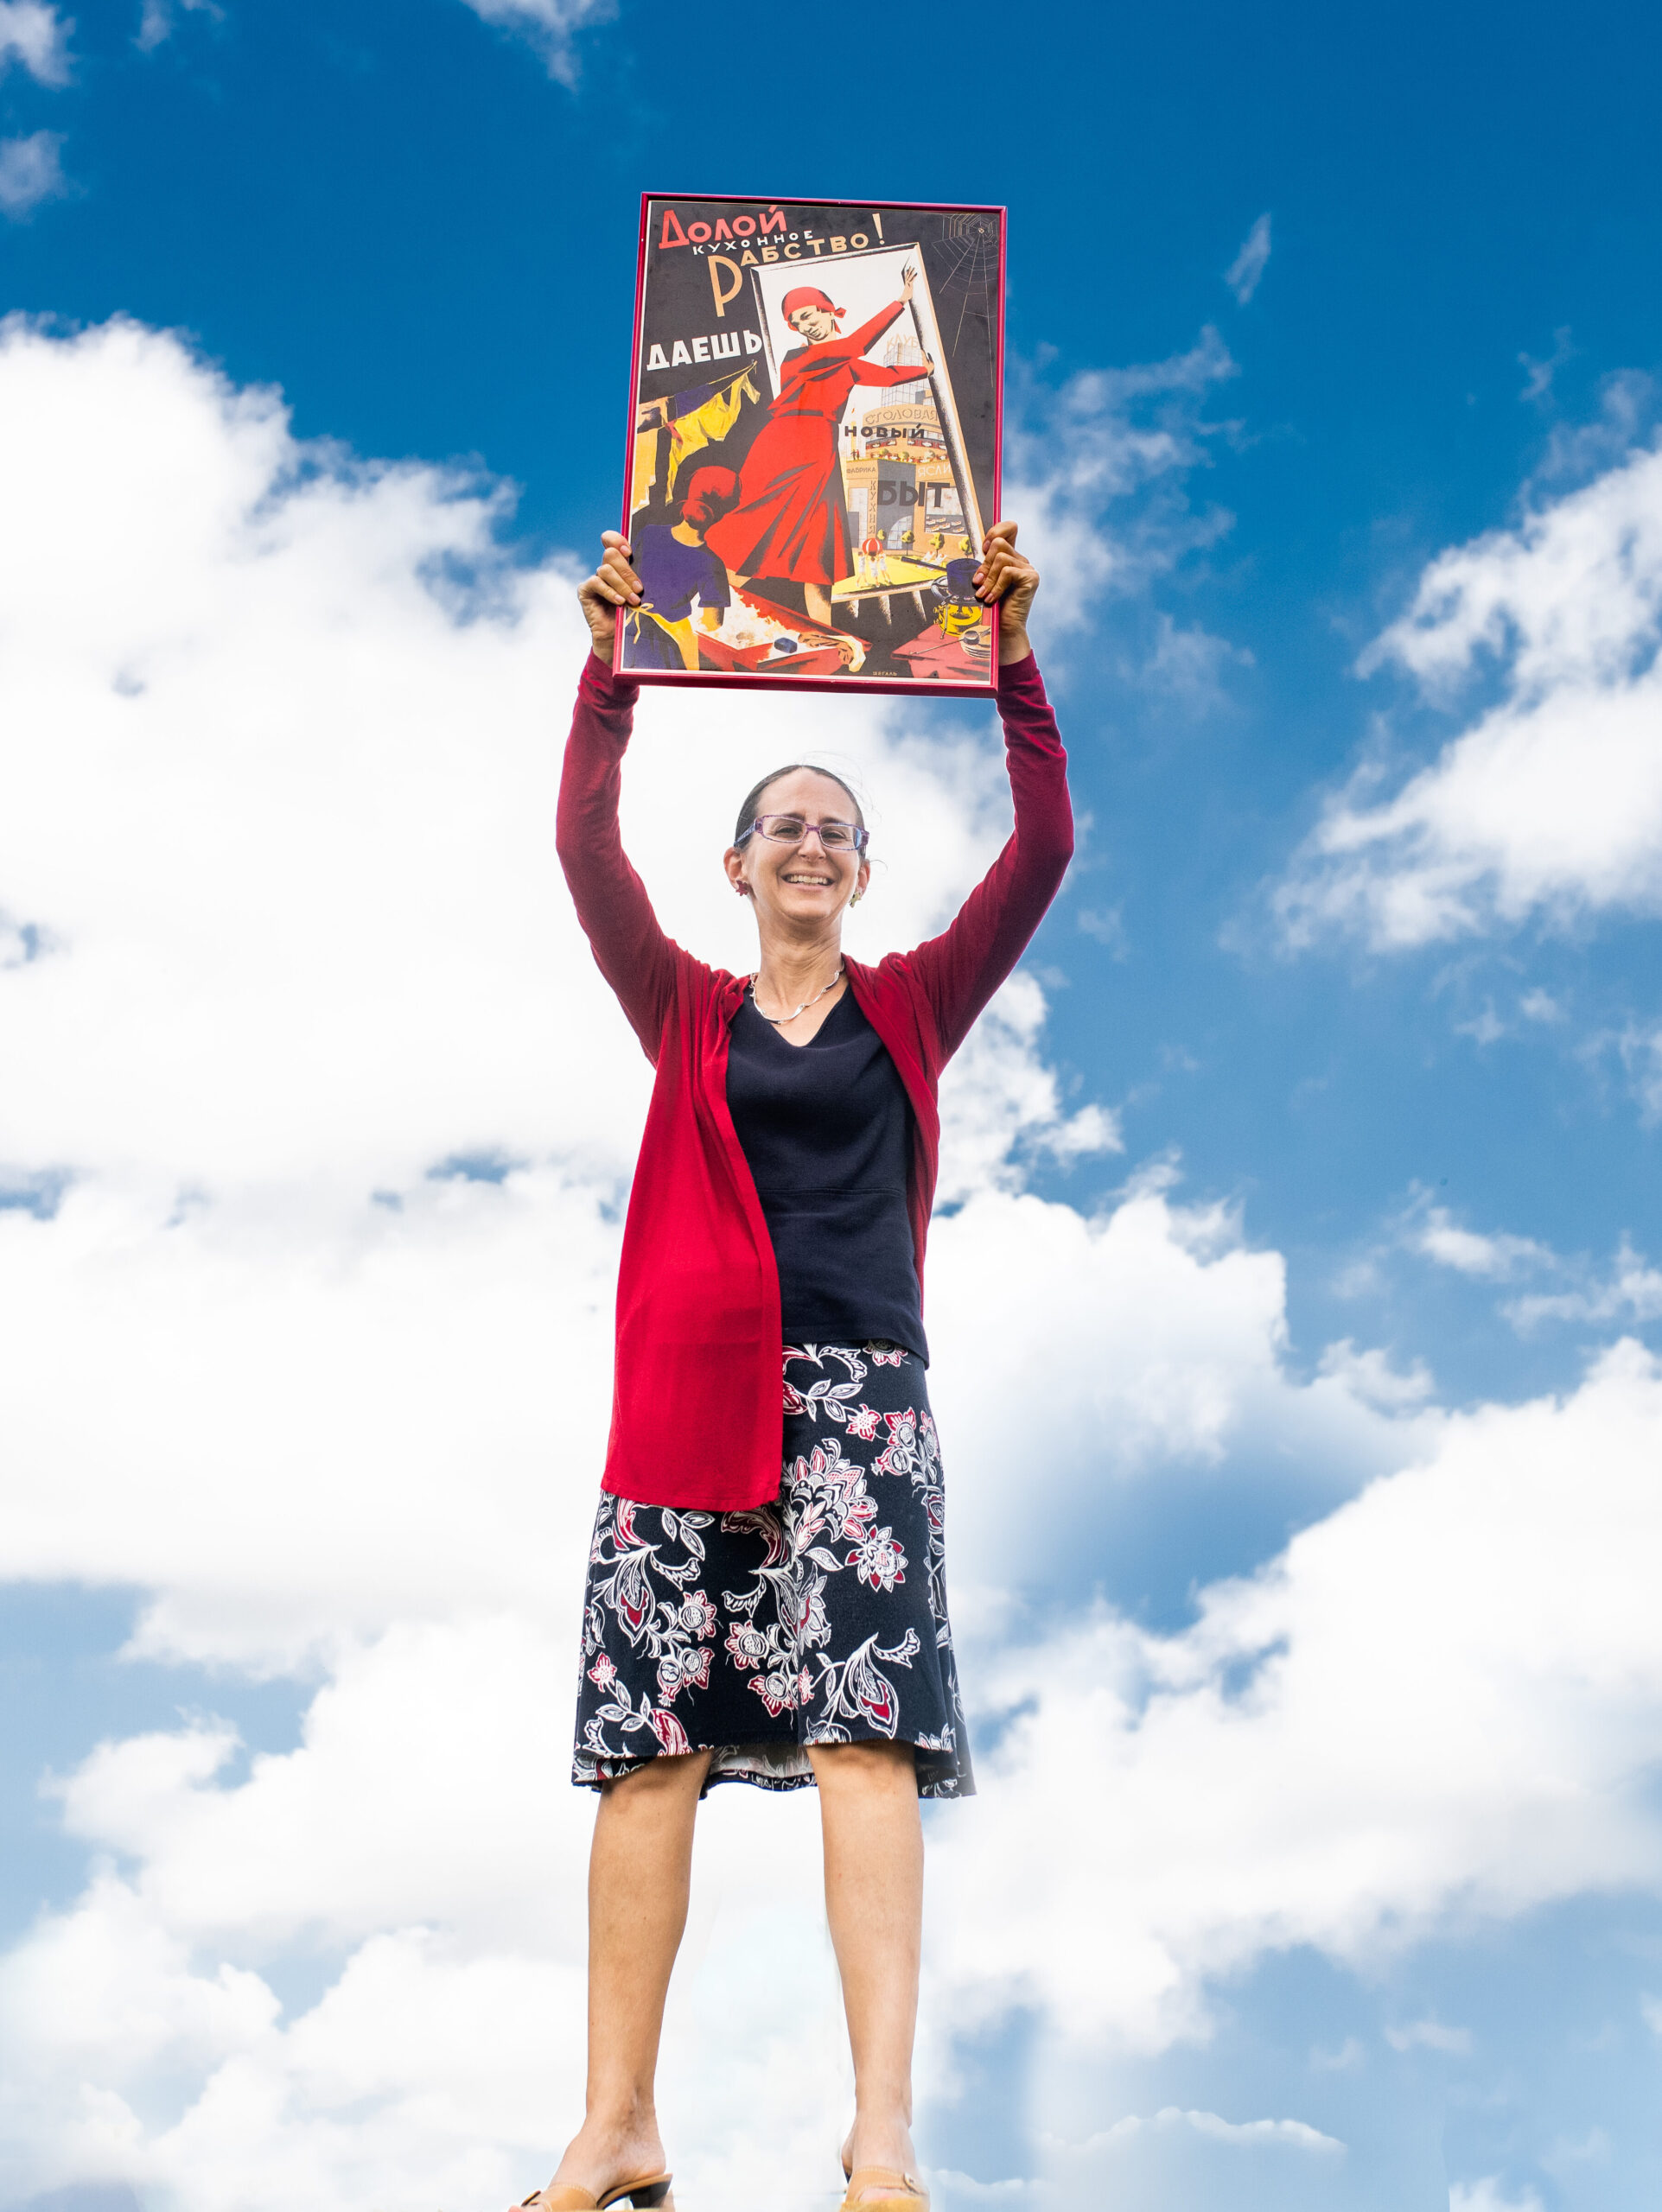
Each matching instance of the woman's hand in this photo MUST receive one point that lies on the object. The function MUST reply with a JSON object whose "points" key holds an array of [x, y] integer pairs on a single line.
{"points": [[908, 278], [1006, 576], [614, 584]]}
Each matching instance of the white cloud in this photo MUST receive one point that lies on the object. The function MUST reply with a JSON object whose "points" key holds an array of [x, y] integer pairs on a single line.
{"points": [[1641, 1055], [1369, 1375], [31, 172], [33, 34], [1432, 1231], [1419, 1713], [1539, 375], [548, 24], [1107, 925], [1548, 807], [1632, 1292], [1430, 2035], [287, 947], [1094, 473], [159, 19], [1488, 2195], [1242, 274], [1628, 1291]]}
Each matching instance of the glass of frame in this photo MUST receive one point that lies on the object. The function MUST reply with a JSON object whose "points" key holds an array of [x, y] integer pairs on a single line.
{"points": [[815, 414]]}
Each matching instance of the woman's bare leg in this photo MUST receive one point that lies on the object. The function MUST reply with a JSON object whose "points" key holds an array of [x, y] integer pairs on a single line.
{"points": [[639, 1869], [874, 1900]]}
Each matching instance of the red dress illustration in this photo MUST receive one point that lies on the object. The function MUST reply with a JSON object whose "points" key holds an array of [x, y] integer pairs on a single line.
{"points": [[791, 519]]}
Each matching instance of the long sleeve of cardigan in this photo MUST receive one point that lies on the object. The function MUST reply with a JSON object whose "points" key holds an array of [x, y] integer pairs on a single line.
{"points": [[960, 969], [630, 951]]}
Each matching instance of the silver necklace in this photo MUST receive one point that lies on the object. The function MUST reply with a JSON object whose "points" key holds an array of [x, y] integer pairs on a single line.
{"points": [[778, 1021]]}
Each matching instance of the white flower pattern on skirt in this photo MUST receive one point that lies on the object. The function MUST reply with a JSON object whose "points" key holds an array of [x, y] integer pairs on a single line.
{"points": [[819, 1618]]}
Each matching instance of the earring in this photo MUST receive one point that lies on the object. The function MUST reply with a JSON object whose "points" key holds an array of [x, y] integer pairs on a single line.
{"points": [[857, 897]]}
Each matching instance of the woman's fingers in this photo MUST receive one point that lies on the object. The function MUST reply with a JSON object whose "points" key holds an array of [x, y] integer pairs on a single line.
{"points": [[615, 568], [1002, 565]]}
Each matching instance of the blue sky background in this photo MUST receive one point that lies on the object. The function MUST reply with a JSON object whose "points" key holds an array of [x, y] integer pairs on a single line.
{"points": [[417, 226]]}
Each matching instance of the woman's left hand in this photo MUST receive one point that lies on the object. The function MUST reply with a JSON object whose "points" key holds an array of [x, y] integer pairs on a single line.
{"points": [[1007, 576]]}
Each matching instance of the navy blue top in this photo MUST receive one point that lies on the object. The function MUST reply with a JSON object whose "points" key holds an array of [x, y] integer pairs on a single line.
{"points": [[826, 1127]]}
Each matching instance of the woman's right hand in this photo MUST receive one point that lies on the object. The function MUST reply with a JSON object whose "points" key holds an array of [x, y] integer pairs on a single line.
{"points": [[614, 584]]}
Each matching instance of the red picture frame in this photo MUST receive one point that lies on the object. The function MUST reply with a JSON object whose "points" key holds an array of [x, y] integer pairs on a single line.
{"points": [[801, 510]]}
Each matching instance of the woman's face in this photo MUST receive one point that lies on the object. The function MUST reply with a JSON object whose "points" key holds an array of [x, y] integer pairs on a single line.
{"points": [[799, 885], [815, 324]]}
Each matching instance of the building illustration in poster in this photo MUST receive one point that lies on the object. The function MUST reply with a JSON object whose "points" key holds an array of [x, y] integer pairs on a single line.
{"points": [[814, 443]]}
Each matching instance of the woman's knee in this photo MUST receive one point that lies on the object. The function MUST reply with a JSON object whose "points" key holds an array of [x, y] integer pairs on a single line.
{"points": [[872, 1763], [673, 1775]]}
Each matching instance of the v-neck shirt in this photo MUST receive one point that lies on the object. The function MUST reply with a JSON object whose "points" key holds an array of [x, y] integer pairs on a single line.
{"points": [[826, 1130]]}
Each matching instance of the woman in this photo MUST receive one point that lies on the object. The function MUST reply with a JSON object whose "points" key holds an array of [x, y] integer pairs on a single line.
{"points": [[791, 520], [675, 566], [741, 1624]]}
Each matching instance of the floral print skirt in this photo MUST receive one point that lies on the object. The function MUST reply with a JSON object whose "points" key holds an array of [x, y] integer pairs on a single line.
{"points": [[817, 1618]]}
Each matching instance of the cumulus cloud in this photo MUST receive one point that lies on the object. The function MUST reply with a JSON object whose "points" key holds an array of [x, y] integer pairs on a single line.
{"points": [[31, 172], [1243, 273], [159, 19], [1412, 1717], [548, 25], [1432, 1231], [1095, 473], [322, 1118], [1630, 1292], [320, 1123], [35, 35], [1489, 2196], [1547, 807]]}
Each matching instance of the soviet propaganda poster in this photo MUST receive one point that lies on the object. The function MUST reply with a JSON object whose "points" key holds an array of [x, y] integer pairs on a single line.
{"points": [[814, 443]]}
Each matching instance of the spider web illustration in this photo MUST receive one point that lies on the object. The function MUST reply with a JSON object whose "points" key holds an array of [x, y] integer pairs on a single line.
{"points": [[971, 242]]}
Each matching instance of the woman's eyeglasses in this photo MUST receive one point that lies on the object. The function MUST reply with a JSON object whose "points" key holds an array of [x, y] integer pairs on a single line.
{"points": [[791, 830]]}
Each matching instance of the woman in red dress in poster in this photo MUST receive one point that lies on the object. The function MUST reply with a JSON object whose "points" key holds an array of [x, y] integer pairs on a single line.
{"points": [[791, 520]]}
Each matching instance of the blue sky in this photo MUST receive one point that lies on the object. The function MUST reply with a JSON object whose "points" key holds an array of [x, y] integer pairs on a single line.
{"points": [[1303, 1263]]}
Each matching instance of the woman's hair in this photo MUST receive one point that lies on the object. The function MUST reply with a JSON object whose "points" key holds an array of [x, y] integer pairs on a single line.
{"points": [[753, 796], [711, 492]]}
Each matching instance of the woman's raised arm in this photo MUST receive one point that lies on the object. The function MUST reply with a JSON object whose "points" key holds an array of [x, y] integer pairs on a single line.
{"points": [[630, 949], [961, 968]]}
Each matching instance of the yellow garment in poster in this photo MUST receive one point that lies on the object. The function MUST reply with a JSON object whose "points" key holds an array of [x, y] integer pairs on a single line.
{"points": [[646, 466], [707, 425]]}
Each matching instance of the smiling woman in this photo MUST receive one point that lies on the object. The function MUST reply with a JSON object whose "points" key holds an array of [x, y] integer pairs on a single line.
{"points": [[766, 1593]]}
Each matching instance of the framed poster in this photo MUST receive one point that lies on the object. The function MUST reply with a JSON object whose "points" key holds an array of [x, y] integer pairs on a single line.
{"points": [[815, 412]]}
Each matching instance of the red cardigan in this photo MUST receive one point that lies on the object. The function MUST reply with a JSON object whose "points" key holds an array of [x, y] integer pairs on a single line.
{"points": [[696, 1401]]}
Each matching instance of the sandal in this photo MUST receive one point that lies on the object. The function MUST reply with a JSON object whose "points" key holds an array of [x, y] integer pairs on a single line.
{"points": [[651, 2189], [907, 2195]]}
